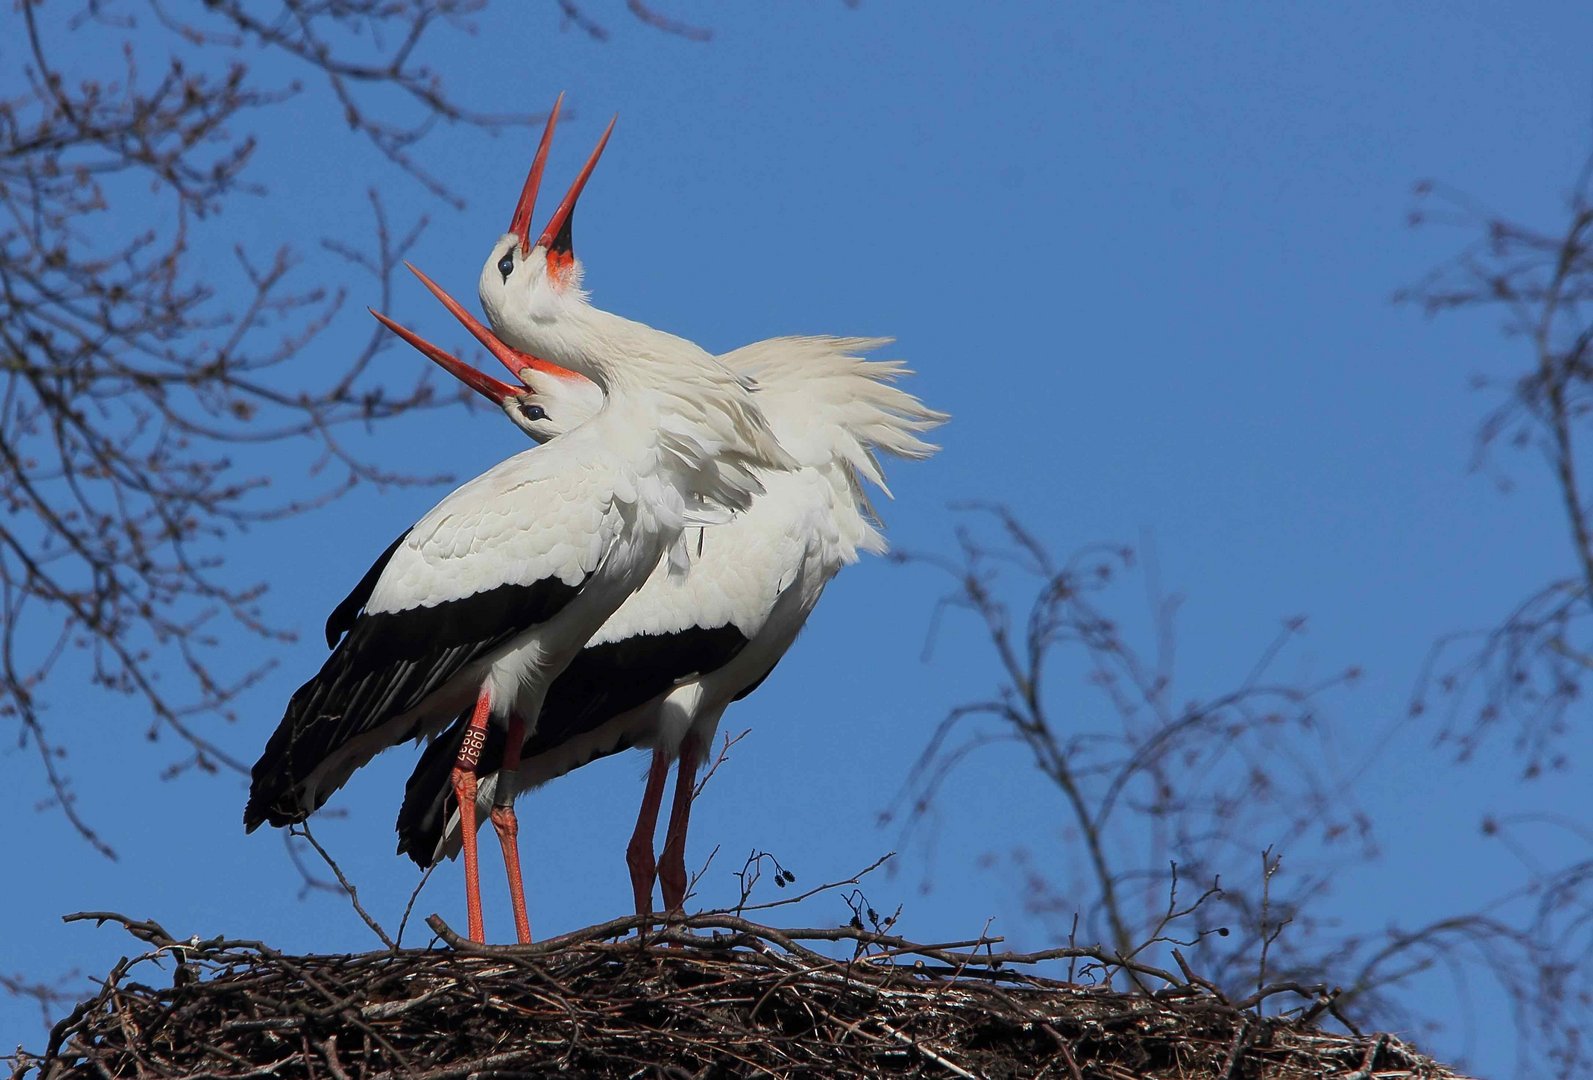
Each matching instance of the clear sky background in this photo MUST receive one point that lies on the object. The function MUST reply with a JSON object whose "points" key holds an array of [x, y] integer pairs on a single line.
{"points": [[1144, 254]]}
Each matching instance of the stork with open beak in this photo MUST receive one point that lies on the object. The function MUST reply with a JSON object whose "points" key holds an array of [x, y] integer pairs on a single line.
{"points": [[490, 595], [663, 669], [533, 298]]}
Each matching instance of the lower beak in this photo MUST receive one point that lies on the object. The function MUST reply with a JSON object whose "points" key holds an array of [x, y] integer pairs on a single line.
{"points": [[482, 383], [517, 362], [556, 237]]}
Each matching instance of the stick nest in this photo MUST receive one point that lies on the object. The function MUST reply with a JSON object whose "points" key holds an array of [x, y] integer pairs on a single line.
{"points": [[707, 996]]}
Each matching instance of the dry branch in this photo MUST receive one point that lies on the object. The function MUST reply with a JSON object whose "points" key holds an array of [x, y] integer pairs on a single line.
{"points": [[742, 999]]}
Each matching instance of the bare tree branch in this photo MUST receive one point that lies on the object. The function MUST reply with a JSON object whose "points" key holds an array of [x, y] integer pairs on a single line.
{"points": [[1197, 774], [133, 379], [1529, 671], [1191, 783]]}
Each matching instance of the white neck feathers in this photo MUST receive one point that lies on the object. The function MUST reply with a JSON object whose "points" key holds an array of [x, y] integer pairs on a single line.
{"points": [[709, 425]]}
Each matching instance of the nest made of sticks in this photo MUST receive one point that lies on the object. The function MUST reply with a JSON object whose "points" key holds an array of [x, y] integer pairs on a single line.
{"points": [[706, 996]]}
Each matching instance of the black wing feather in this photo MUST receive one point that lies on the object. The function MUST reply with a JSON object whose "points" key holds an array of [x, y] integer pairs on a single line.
{"points": [[753, 686], [341, 621], [602, 682], [386, 665]]}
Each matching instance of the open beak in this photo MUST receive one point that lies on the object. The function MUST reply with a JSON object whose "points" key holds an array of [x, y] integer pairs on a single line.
{"points": [[516, 361], [513, 359], [556, 237], [520, 224], [482, 383]]}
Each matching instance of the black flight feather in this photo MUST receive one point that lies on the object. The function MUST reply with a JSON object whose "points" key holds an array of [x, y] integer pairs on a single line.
{"points": [[386, 665], [342, 618], [748, 690]]}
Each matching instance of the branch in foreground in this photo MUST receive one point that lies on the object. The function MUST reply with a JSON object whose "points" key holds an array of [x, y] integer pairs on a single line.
{"points": [[753, 999]]}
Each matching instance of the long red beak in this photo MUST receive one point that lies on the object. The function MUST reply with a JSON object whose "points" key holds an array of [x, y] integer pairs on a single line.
{"points": [[482, 383], [513, 359], [520, 224], [556, 237]]}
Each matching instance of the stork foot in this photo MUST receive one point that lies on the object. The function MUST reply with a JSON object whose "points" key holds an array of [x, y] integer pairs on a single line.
{"points": [[508, 829], [464, 781], [644, 871], [639, 854], [672, 880]]}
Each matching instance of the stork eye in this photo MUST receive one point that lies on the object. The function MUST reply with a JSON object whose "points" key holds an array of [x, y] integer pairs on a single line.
{"points": [[533, 412], [506, 264]]}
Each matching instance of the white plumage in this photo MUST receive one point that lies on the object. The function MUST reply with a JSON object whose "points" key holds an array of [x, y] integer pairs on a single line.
{"points": [[760, 574]]}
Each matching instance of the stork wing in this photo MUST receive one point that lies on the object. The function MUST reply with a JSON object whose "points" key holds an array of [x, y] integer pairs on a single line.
{"points": [[341, 621], [494, 560], [386, 667]]}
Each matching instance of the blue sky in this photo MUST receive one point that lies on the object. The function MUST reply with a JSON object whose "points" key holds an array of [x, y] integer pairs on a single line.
{"points": [[1143, 254]]}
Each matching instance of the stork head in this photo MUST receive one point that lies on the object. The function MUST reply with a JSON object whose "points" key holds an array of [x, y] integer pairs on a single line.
{"points": [[526, 278], [544, 401]]}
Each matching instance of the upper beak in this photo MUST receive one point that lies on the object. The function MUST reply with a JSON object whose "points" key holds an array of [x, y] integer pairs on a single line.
{"points": [[513, 359], [520, 224], [556, 237], [482, 383]]}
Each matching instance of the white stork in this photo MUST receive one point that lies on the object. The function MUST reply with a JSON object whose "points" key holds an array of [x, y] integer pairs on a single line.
{"points": [[491, 594], [663, 669]]}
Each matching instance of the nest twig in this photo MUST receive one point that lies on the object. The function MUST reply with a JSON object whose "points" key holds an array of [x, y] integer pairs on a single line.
{"points": [[708, 995]]}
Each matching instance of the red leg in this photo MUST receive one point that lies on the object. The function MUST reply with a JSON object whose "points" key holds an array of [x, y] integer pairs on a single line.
{"points": [[672, 864], [508, 826], [639, 855], [464, 779]]}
